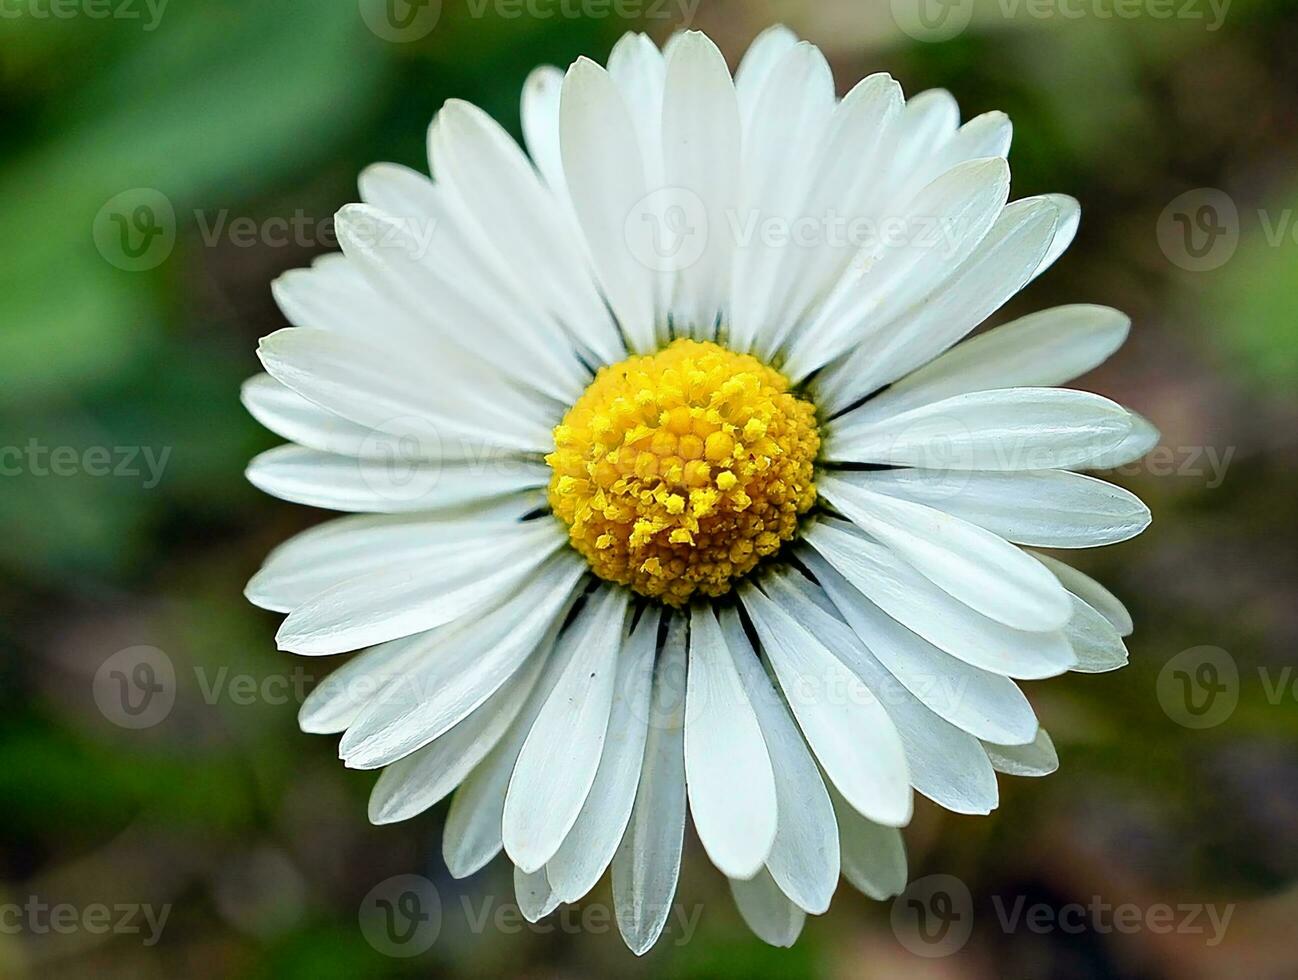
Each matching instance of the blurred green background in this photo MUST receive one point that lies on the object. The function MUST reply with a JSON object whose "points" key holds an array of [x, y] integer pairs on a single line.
{"points": [[254, 114]]}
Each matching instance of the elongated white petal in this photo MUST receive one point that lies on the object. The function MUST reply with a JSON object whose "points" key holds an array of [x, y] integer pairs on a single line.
{"points": [[986, 705], [844, 723], [350, 547], [380, 391], [1037, 759], [874, 857], [1011, 429], [767, 910], [540, 117], [974, 565], [472, 836], [1045, 508], [558, 763], [422, 779], [536, 899], [727, 768], [916, 603], [1091, 592], [804, 858], [288, 414], [998, 267], [460, 667], [1095, 642], [400, 600], [440, 272], [647, 864], [1042, 349], [593, 840], [945, 764], [338, 700], [701, 147], [1070, 216], [780, 143], [757, 64], [942, 227], [472, 154], [1142, 438], [606, 179], [345, 483]]}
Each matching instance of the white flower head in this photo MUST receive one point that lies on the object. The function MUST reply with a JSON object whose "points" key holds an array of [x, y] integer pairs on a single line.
{"points": [[678, 486]]}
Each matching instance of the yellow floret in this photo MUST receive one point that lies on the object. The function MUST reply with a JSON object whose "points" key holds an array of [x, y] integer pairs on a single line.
{"points": [[678, 472]]}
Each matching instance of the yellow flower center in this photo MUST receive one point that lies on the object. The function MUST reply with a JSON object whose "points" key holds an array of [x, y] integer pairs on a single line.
{"points": [[679, 471]]}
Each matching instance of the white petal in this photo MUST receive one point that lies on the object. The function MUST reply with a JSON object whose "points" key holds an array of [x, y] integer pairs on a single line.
{"points": [[1143, 437], [540, 118], [1045, 508], [647, 864], [1010, 429], [605, 172], [593, 840], [460, 667], [526, 224], [757, 64], [1037, 759], [928, 123], [469, 576], [422, 779], [338, 700], [349, 547], [844, 723], [558, 763], [727, 768], [1070, 216], [1095, 642], [1040, 350], [1091, 592], [844, 188], [975, 566], [536, 899], [701, 146], [288, 414], [472, 836], [400, 397], [345, 483], [804, 857], [942, 227], [945, 764], [988, 706], [780, 147], [999, 267], [639, 70], [438, 271], [915, 602], [766, 910], [874, 857]]}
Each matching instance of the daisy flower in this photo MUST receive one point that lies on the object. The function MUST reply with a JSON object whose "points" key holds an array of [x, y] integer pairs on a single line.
{"points": [[678, 488]]}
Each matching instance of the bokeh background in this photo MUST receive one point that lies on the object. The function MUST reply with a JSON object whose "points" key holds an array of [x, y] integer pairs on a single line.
{"points": [[125, 520]]}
